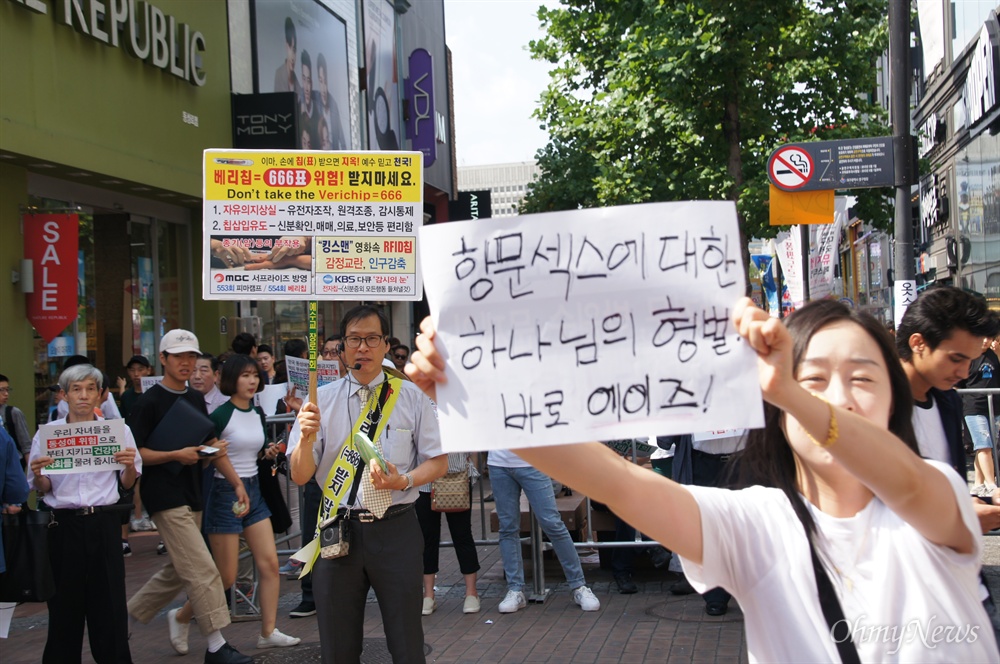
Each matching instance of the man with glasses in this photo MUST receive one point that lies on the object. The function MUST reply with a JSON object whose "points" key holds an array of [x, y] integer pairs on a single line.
{"points": [[12, 419], [376, 504]]}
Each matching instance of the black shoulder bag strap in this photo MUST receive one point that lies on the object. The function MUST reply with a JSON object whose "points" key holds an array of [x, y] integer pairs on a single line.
{"points": [[371, 424], [840, 629]]}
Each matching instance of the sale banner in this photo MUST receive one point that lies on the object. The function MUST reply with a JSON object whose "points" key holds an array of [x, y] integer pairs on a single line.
{"points": [[51, 242], [299, 224]]}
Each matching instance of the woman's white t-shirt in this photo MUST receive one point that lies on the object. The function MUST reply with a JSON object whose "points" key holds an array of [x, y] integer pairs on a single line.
{"points": [[905, 599], [245, 432]]}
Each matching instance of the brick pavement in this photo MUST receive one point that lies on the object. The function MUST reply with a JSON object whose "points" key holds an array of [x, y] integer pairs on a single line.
{"points": [[651, 625]]}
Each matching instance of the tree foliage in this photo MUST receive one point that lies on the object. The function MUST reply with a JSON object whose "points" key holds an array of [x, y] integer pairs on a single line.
{"points": [[662, 100]]}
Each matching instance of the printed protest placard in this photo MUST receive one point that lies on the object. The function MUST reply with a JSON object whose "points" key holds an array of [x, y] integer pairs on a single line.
{"points": [[82, 447], [297, 224], [327, 371], [595, 324], [149, 381]]}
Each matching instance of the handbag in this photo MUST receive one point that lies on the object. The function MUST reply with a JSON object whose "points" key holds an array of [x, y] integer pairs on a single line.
{"points": [[270, 491], [26, 551], [450, 493], [334, 538]]}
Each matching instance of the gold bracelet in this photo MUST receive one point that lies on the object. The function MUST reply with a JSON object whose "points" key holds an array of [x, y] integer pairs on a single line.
{"points": [[833, 433]]}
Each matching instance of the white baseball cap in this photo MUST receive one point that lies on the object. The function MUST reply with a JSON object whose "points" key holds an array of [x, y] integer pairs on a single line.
{"points": [[179, 341]]}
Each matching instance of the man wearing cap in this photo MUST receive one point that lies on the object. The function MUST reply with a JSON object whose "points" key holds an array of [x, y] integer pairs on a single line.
{"points": [[137, 368], [171, 491]]}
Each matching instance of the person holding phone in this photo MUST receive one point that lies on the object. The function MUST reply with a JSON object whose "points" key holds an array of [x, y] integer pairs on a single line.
{"points": [[171, 491], [241, 424]]}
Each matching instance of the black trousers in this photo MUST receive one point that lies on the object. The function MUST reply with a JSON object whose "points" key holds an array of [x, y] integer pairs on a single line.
{"points": [[384, 555], [89, 573], [460, 527], [312, 495]]}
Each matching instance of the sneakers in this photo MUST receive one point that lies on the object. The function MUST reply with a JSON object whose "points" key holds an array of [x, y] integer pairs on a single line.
{"points": [[161, 548], [277, 640], [984, 490], [290, 567], [514, 601], [126, 549], [178, 633], [303, 610], [681, 587], [429, 606], [245, 592], [584, 596], [626, 586], [227, 655], [141, 525], [471, 604]]}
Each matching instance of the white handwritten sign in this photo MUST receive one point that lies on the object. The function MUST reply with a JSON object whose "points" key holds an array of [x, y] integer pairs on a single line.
{"points": [[83, 447], [590, 325]]}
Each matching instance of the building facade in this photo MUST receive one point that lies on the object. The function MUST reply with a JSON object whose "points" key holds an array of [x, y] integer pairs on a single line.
{"points": [[507, 184], [103, 120], [957, 119]]}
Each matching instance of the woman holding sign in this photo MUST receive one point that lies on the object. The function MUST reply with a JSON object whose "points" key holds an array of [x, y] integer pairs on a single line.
{"points": [[85, 538], [830, 556], [242, 424]]}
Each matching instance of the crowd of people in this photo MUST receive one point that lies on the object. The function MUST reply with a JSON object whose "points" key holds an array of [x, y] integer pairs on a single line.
{"points": [[848, 512]]}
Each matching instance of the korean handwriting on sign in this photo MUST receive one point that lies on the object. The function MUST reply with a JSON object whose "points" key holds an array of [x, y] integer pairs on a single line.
{"points": [[585, 325]]}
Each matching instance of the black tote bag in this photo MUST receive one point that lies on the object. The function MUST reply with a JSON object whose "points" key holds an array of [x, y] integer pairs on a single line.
{"points": [[26, 551]]}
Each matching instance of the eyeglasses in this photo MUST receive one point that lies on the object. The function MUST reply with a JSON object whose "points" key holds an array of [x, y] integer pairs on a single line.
{"points": [[5, 390], [328, 352], [372, 341], [400, 357]]}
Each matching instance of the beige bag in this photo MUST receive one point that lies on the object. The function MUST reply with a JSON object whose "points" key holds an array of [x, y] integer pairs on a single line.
{"points": [[450, 493], [334, 538]]}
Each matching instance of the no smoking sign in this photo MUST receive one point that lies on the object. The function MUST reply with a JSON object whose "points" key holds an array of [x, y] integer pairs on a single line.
{"points": [[790, 168]]}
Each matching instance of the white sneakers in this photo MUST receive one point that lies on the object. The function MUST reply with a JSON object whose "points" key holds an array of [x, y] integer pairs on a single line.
{"points": [[178, 632], [277, 640], [471, 604], [430, 604], [514, 601], [584, 596]]}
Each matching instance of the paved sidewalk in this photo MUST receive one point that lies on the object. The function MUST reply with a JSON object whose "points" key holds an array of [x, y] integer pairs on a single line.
{"points": [[651, 625]]}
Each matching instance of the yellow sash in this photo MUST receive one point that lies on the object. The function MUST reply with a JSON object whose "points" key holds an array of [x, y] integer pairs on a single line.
{"points": [[342, 472]]}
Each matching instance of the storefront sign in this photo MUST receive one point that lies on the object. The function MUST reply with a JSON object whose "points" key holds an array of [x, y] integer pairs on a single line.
{"points": [[51, 242], [933, 204], [980, 92], [142, 28], [419, 92], [293, 225], [265, 121], [470, 205], [932, 134]]}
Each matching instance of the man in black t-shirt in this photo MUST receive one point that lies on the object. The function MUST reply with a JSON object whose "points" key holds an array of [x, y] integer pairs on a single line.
{"points": [[171, 491]]}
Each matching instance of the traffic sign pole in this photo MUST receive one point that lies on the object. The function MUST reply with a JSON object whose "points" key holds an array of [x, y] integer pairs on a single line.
{"points": [[899, 109]]}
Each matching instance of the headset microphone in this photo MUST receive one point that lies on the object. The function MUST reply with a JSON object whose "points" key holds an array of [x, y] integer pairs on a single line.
{"points": [[357, 367]]}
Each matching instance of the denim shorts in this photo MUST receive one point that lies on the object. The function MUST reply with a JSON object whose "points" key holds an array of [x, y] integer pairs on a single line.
{"points": [[978, 427], [219, 518]]}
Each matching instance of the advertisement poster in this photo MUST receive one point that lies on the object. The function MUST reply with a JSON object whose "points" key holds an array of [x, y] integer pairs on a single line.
{"points": [[51, 243], [82, 447], [383, 80], [294, 225], [327, 371], [301, 47]]}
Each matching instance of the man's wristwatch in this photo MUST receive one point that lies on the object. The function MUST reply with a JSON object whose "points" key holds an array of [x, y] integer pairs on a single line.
{"points": [[409, 481]]}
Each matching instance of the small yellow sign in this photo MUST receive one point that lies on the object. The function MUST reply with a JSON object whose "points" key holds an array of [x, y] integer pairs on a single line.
{"points": [[800, 207]]}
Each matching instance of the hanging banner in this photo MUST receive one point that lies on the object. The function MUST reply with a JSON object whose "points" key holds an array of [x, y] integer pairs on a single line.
{"points": [[51, 242], [295, 224], [790, 258], [824, 248]]}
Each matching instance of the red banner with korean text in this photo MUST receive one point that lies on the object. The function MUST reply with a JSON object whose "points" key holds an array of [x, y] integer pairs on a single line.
{"points": [[51, 242]]}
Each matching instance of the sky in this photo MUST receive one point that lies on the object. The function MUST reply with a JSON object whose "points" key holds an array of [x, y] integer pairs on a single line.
{"points": [[497, 84]]}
